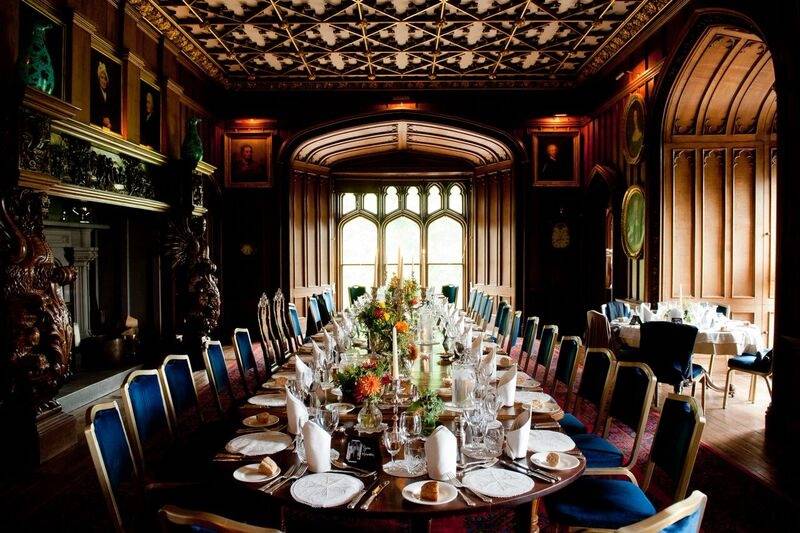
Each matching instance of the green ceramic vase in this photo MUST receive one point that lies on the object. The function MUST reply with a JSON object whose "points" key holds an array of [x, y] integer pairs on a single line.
{"points": [[36, 65], [192, 149]]}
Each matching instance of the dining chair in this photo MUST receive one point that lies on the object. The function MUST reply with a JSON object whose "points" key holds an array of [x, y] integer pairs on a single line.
{"points": [[322, 307], [566, 366], [754, 364], [595, 502], [513, 333], [217, 370], [279, 326], [294, 321], [632, 394], [174, 518], [330, 305], [616, 309], [501, 320], [505, 328], [667, 348], [594, 387], [544, 356], [355, 292], [245, 358], [485, 315], [598, 330], [313, 317], [473, 293], [450, 292], [112, 455], [476, 309], [684, 516], [146, 410], [180, 392], [268, 347], [528, 340]]}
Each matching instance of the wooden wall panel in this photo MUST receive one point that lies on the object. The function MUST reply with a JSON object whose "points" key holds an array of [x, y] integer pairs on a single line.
{"points": [[744, 224], [683, 242], [712, 227]]}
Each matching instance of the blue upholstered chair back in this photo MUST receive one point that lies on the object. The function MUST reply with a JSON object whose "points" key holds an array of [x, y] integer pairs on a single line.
{"points": [[502, 311], [324, 315], [676, 437], [513, 333], [450, 292], [314, 315], [667, 348], [488, 307], [241, 337], [356, 292], [329, 303], [529, 334], [217, 369], [596, 369], [295, 318], [630, 401], [111, 454], [479, 299], [684, 516], [146, 409], [176, 373], [471, 301], [546, 345], [615, 309], [567, 356]]}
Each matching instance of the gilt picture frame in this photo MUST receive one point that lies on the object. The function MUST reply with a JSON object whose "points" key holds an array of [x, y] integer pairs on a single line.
{"points": [[634, 221], [248, 159], [632, 128], [556, 158]]}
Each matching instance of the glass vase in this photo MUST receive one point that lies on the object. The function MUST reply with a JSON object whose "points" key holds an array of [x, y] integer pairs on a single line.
{"points": [[370, 417], [36, 65]]}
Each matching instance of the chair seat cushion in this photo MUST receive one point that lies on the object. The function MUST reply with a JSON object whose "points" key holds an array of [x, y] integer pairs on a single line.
{"points": [[747, 362], [599, 503], [697, 371], [571, 425], [598, 451]]}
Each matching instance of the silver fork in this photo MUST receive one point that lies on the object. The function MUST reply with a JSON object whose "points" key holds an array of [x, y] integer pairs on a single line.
{"points": [[291, 470], [453, 480], [300, 472]]}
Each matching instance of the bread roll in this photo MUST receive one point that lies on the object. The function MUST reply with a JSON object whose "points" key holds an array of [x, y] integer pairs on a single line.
{"points": [[268, 467], [263, 418], [552, 459], [430, 491]]}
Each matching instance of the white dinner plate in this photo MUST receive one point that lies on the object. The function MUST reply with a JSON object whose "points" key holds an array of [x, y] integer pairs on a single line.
{"points": [[543, 440], [252, 421], [268, 400], [261, 443], [565, 461], [343, 408], [547, 408], [250, 474], [497, 482], [326, 490], [447, 493], [525, 396]]}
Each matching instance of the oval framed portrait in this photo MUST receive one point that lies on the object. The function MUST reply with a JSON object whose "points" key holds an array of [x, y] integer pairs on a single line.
{"points": [[633, 129], [633, 221]]}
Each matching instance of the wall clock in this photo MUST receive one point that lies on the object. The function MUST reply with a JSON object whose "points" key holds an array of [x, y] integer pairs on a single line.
{"points": [[559, 237]]}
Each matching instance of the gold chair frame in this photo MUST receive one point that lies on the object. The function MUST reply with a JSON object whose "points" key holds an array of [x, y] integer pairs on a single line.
{"points": [[573, 372], [549, 364], [607, 386], [162, 374], [240, 361], [131, 417], [173, 515], [210, 373]]}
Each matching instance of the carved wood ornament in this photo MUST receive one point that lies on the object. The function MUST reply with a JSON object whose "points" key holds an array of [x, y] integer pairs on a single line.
{"points": [[36, 326]]}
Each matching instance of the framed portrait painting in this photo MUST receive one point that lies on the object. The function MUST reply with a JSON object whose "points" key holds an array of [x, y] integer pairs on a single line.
{"points": [[556, 158], [105, 104], [248, 159], [633, 129], [149, 116], [633, 221]]}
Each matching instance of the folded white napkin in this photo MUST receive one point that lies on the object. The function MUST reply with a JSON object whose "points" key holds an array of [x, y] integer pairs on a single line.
{"points": [[477, 346], [441, 451], [645, 313], [318, 354], [328, 342], [517, 435], [489, 362], [303, 373], [296, 413], [507, 386], [317, 443]]}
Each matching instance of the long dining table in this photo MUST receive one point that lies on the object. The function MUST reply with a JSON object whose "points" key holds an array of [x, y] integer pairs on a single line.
{"points": [[428, 371]]}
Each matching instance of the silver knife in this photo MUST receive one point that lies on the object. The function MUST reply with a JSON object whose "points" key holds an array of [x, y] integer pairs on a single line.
{"points": [[522, 470], [360, 494], [377, 490]]}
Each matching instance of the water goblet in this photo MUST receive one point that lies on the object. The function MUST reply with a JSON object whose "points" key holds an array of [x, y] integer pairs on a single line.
{"points": [[494, 439], [393, 440], [411, 429], [328, 419]]}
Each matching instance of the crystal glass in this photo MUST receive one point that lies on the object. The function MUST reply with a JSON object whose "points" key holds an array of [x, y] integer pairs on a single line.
{"points": [[410, 429], [464, 382], [492, 401], [476, 420], [299, 447], [494, 439], [393, 440], [328, 419]]}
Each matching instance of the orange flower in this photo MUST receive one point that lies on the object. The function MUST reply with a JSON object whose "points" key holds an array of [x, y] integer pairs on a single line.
{"points": [[367, 386], [402, 326], [412, 352]]}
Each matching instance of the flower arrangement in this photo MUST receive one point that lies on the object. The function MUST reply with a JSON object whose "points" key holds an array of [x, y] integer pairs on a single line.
{"points": [[430, 406], [363, 382], [396, 309]]}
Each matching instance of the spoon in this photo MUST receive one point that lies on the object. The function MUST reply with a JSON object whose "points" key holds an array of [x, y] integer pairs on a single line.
{"points": [[338, 463]]}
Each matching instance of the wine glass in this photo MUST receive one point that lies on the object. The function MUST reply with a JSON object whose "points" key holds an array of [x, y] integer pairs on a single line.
{"points": [[328, 419], [410, 428], [476, 422], [494, 439], [393, 440], [493, 401]]}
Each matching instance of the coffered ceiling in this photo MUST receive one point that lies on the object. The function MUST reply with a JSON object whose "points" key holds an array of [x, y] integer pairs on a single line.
{"points": [[400, 43]]}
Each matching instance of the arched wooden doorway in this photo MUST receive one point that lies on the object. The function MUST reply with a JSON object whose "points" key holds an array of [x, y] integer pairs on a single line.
{"points": [[598, 231], [719, 177], [485, 158]]}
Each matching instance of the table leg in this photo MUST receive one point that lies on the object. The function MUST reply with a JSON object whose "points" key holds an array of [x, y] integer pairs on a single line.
{"points": [[535, 516], [711, 384]]}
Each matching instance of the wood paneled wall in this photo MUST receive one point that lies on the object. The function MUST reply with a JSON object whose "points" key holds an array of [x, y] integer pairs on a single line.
{"points": [[492, 235], [312, 236]]}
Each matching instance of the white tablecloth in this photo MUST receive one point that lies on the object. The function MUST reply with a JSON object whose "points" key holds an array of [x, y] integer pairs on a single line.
{"points": [[733, 339]]}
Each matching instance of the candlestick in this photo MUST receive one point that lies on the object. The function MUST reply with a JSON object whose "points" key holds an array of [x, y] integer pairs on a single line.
{"points": [[395, 363], [681, 295], [375, 272]]}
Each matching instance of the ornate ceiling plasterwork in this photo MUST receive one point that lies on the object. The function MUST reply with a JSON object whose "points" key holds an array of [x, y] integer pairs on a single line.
{"points": [[288, 44]]}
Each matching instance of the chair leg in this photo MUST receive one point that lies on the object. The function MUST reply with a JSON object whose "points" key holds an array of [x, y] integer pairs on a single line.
{"points": [[753, 388], [703, 382], [769, 387], [727, 389]]}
